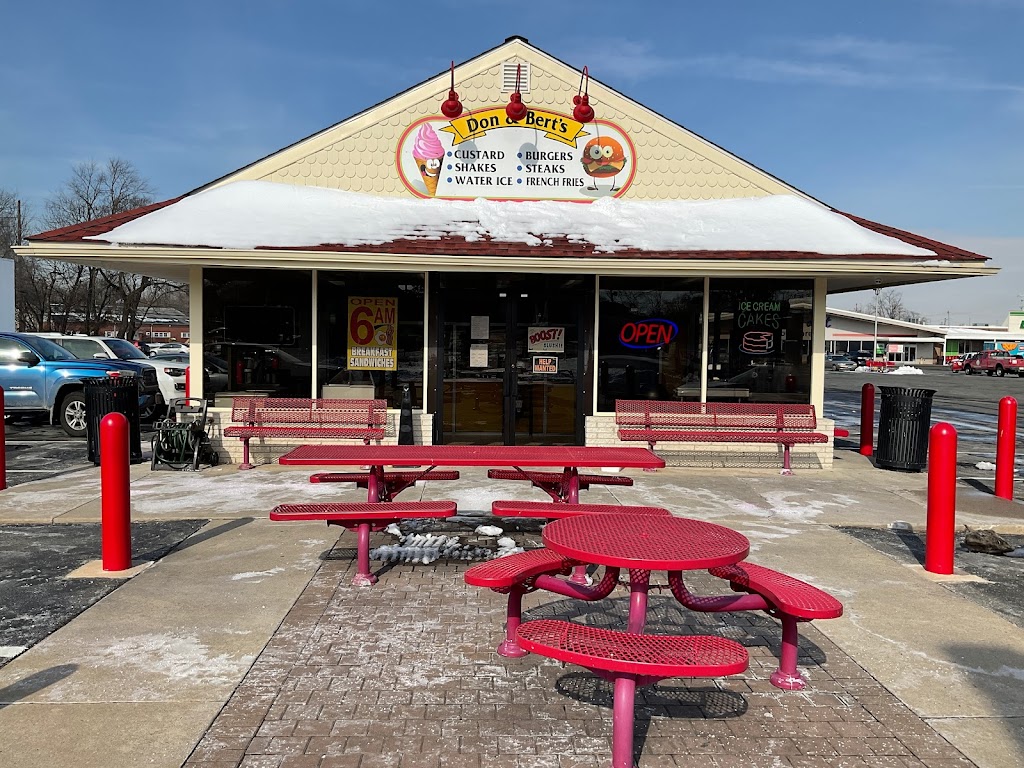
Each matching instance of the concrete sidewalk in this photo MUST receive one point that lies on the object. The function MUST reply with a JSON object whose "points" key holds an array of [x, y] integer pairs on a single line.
{"points": [[138, 678]]}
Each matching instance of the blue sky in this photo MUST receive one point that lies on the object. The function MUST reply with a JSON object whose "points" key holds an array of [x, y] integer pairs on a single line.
{"points": [[909, 112]]}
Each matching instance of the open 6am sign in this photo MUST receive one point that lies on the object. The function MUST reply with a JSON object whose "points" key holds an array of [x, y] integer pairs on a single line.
{"points": [[545, 338]]}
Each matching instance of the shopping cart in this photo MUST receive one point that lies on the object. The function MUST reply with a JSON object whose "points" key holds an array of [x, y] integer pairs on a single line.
{"points": [[182, 439]]}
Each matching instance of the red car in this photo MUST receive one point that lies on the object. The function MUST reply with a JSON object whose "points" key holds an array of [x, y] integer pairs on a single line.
{"points": [[957, 364]]}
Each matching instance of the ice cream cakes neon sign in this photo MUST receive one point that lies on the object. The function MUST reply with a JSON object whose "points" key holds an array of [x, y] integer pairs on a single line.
{"points": [[545, 156], [648, 334]]}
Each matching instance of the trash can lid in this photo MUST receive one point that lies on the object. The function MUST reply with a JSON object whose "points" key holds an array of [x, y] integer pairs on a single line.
{"points": [[908, 391]]}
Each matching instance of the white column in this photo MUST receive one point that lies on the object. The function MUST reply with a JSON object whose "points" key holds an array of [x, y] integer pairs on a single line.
{"points": [[315, 362], [704, 341], [818, 346], [195, 331]]}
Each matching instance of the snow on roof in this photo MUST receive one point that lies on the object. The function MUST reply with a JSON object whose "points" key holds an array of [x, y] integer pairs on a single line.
{"points": [[251, 214]]}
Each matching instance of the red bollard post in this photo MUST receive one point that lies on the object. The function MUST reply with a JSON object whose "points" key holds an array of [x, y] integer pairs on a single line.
{"points": [[188, 387], [115, 516], [938, 542], [1006, 443], [3, 444], [867, 419]]}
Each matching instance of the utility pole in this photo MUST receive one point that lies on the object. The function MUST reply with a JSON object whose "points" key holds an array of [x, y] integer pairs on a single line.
{"points": [[18, 233]]}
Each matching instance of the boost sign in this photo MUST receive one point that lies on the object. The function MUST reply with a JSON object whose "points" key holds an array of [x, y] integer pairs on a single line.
{"points": [[647, 334], [546, 339]]}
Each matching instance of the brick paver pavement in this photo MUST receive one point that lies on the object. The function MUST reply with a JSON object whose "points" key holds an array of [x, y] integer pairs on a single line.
{"points": [[404, 675]]}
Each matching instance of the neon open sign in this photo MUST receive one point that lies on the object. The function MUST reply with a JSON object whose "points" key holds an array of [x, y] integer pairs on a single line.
{"points": [[647, 334]]}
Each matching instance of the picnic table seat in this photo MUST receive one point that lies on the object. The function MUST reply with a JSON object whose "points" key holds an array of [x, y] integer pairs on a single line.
{"points": [[629, 660], [545, 509], [555, 484], [788, 599], [654, 421], [524, 572], [389, 484], [305, 418], [364, 517]]}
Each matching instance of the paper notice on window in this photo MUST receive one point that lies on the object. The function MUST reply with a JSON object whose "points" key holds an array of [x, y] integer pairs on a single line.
{"points": [[480, 327], [477, 355]]}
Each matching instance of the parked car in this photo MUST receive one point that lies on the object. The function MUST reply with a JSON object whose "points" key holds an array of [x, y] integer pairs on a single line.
{"points": [[958, 363], [995, 362], [860, 356], [40, 377], [840, 363], [152, 379], [215, 371], [168, 348]]}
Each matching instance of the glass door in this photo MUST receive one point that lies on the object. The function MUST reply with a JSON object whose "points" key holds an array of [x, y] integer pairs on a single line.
{"points": [[509, 359]]}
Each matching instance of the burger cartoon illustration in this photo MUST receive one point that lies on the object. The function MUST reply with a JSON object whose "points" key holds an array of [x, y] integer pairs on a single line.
{"points": [[603, 158], [428, 154]]}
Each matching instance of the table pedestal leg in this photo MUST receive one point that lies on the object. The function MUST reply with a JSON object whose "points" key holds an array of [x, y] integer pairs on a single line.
{"points": [[622, 722], [787, 677], [509, 647], [638, 583], [572, 496], [363, 577], [245, 455], [787, 467]]}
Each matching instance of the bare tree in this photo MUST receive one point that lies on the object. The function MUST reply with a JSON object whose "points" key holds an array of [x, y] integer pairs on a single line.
{"points": [[890, 304], [92, 295]]}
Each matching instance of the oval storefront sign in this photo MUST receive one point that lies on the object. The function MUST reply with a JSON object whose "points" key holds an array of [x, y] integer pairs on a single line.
{"points": [[546, 156], [647, 334]]}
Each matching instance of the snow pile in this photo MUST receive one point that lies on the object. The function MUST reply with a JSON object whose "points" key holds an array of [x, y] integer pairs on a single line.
{"points": [[426, 548], [987, 465], [906, 370], [488, 530], [249, 214]]}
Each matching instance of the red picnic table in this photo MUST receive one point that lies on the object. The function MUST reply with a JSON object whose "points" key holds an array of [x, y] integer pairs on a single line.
{"points": [[569, 458], [643, 544]]}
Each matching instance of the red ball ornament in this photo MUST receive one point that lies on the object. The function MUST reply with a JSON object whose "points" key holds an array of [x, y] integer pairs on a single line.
{"points": [[582, 112], [515, 109], [452, 108]]}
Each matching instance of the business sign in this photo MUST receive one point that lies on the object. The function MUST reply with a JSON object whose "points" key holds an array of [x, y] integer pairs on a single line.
{"points": [[545, 365], [545, 338], [372, 334], [647, 334], [759, 326], [545, 156]]}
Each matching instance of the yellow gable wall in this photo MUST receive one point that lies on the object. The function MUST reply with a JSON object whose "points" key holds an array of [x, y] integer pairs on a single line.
{"points": [[358, 155]]}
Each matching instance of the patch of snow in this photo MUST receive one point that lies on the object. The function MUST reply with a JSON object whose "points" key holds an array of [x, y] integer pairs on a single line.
{"points": [[900, 525], [985, 465], [863, 369], [393, 529], [1018, 552], [905, 370], [488, 530], [249, 214], [506, 542], [255, 576]]}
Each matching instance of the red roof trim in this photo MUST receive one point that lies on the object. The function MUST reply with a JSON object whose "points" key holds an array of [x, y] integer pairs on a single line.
{"points": [[942, 250], [77, 232]]}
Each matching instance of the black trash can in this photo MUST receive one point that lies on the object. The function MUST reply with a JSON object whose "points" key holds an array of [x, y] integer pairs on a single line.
{"points": [[112, 394], [904, 419]]}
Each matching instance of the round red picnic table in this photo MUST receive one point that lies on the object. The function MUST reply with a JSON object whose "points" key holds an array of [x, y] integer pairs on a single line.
{"points": [[645, 544]]}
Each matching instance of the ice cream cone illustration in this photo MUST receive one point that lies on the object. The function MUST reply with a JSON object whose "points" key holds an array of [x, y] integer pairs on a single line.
{"points": [[428, 154]]}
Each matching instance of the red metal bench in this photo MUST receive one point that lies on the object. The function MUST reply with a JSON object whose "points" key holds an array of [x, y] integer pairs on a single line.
{"points": [[659, 421], [305, 418], [394, 482], [556, 484], [523, 572], [784, 597], [629, 660], [363, 517]]}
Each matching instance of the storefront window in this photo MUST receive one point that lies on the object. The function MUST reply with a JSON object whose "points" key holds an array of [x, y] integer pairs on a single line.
{"points": [[760, 340], [257, 332], [649, 343], [378, 317]]}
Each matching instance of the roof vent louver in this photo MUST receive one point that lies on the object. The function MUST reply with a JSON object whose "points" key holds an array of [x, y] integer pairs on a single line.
{"points": [[508, 77]]}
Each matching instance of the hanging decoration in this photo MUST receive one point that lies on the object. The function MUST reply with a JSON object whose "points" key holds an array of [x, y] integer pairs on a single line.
{"points": [[452, 107], [515, 109], [583, 112]]}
